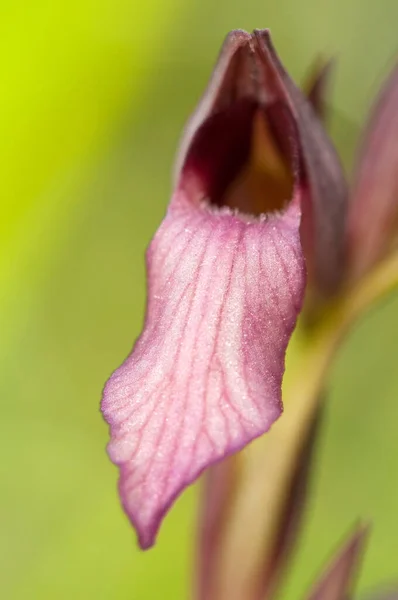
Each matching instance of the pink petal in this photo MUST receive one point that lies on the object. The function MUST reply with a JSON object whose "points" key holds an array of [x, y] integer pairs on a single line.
{"points": [[204, 378]]}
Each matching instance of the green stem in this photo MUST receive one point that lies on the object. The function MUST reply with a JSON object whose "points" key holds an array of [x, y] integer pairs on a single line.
{"points": [[264, 469]]}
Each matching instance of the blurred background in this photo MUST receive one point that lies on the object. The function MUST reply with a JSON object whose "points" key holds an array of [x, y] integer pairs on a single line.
{"points": [[94, 97]]}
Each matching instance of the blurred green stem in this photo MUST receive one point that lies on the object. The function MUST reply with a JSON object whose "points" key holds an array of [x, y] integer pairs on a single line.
{"points": [[310, 358], [263, 471]]}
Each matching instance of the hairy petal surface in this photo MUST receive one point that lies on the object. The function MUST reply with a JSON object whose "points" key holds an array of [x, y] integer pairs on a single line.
{"points": [[204, 378]]}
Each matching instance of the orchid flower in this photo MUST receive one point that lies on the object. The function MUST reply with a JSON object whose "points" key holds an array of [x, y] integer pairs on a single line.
{"points": [[261, 228]]}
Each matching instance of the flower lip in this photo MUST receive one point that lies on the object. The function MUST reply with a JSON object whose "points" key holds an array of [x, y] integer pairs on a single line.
{"points": [[241, 146], [224, 292]]}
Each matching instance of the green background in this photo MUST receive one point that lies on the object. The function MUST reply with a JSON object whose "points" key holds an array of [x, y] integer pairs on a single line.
{"points": [[94, 97]]}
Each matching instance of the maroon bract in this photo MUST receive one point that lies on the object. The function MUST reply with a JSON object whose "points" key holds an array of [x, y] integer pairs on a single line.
{"points": [[373, 214]]}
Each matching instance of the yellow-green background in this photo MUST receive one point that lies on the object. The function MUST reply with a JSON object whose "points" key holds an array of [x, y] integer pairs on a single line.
{"points": [[93, 98]]}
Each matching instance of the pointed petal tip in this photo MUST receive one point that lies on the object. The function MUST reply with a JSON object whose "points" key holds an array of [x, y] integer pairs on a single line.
{"points": [[147, 511], [146, 518], [337, 581], [147, 527], [318, 85]]}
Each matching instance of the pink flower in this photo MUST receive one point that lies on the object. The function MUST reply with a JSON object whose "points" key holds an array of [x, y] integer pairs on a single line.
{"points": [[259, 201]]}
